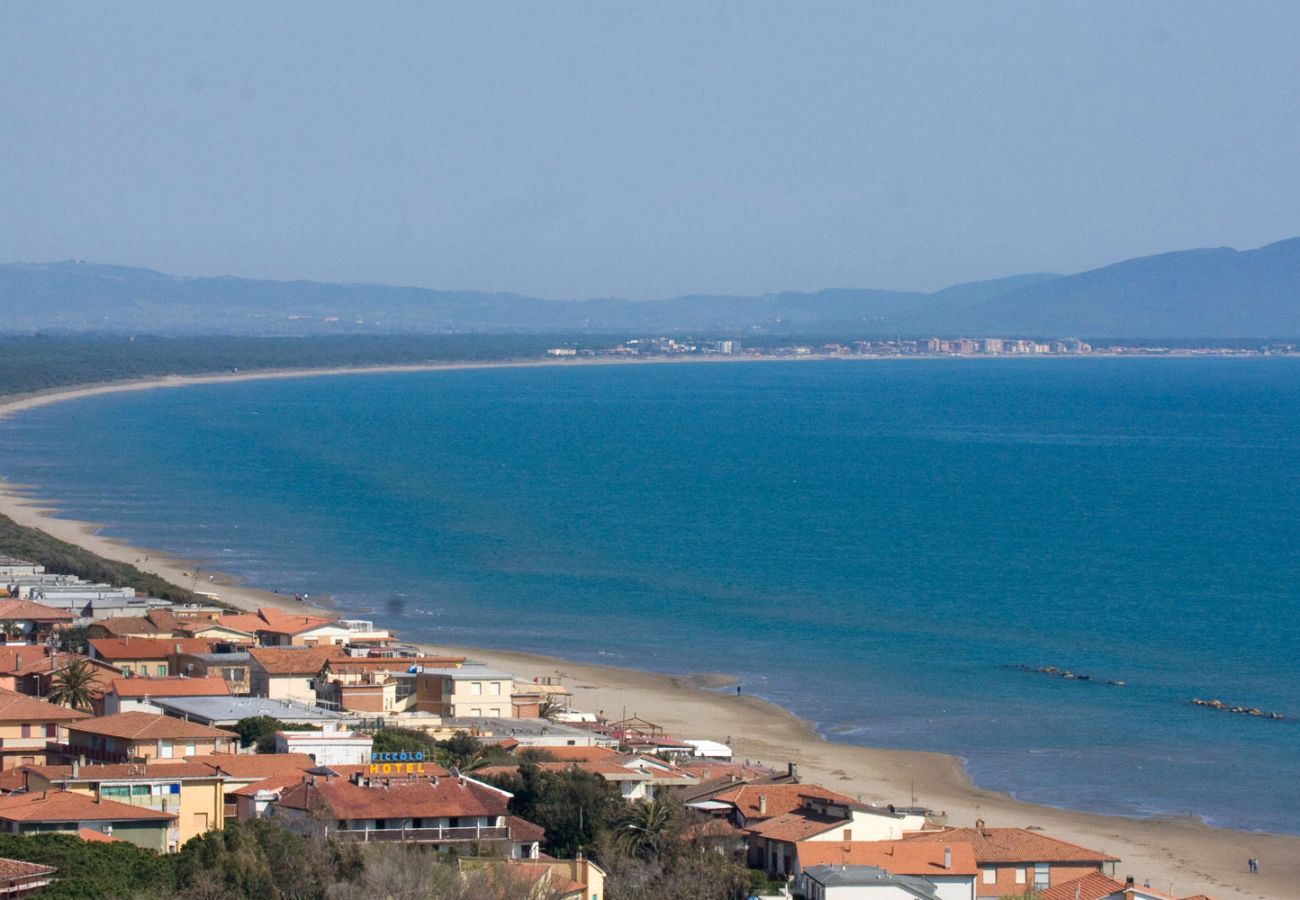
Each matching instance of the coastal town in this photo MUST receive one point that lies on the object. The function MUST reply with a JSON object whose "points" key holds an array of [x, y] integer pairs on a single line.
{"points": [[129, 718], [664, 346]]}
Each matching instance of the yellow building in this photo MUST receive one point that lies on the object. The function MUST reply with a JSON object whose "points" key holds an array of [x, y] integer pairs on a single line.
{"points": [[27, 725], [192, 792]]}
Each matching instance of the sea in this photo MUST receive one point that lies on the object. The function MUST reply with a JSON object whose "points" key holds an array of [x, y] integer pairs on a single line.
{"points": [[884, 547]]}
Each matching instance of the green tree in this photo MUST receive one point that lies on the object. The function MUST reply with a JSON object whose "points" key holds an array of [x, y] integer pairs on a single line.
{"points": [[108, 870], [576, 808], [648, 825], [404, 740], [74, 685]]}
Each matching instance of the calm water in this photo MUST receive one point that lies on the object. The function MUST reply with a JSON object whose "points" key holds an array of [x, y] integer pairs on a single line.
{"points": [[870, 544]]}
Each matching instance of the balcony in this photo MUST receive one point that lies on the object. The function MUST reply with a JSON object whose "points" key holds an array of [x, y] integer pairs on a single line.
{"points": [[426, 835]]}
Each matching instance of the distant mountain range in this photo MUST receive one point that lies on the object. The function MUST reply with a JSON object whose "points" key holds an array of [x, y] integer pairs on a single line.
{"points": [[1209, 293]]}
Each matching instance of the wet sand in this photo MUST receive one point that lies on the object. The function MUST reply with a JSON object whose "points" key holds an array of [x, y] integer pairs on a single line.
{"points": [[1182, 856]]}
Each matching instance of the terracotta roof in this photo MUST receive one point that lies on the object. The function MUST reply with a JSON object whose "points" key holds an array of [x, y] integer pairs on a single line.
{"points": [[254, 766], [246, 622], [133, 648], [173, 686], [162, 619], [293, 660], [19, 661], [796, 826], [143, 726], [415, 799], [1014, 845], [523, 830], [95, 837], [391, 663], [66, 806], [580, 754], [16, 707], [281, 622], [122, 771], [1092, 886], [276, 782], [37, 612], [781, 798], [14, 779], [13, 869], [431, 770], [895, 857], [125, 626]]}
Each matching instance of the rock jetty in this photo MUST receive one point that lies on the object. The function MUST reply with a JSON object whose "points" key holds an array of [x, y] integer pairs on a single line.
{"points": [[1239, 710]]}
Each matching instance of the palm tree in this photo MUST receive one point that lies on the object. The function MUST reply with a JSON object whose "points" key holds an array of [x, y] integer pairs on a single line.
{"points": [[646, 826], [74, 685]]}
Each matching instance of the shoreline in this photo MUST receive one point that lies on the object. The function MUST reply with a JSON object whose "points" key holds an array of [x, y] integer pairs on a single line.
{"points": [[1181, 852]]}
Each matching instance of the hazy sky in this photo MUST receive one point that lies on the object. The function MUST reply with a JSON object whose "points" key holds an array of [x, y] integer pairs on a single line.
{"points": [[644, 150]]}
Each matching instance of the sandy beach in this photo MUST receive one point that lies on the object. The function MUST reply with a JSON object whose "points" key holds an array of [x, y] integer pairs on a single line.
{"points": [[1178, 855]]}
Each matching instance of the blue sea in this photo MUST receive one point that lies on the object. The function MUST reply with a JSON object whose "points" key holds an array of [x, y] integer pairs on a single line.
{"points": [[872, 544]]}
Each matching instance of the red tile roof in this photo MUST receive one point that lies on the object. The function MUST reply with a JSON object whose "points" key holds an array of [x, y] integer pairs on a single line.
{"points": [[37, 612], [14, 869], [134, 648], [895, 857], [1014, 845], [1092, 886], [273, 783], [796, 826], [95, 837], [580, 754], [781, 798], [254, 766], [126, 626], [415, 799], [16, 707], [65, 806], [122, 771], [278, 621], [173, 686], [300, 661], [143, 726], [245, 622]]}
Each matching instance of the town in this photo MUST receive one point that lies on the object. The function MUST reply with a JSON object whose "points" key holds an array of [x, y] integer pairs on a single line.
{"points": [[132, 719], [664, 346]]}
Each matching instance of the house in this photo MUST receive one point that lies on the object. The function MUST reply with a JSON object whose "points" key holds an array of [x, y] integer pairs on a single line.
{"points": [[284, 673], [1096, 886], [137, 694], [282, 629], [66, 811], [950, 868], [749, 804], [440, 813], [19, 878], [553, 879], [468, 691], [31, 621], [140, 736], [11, 568], [863, 883], [192, 792], [226, 712], [231, 666], [380, 684], [27, 725], [1013, 860], [326, 746], [773, 841], [144, 656], [238, 771], [32, 670]]}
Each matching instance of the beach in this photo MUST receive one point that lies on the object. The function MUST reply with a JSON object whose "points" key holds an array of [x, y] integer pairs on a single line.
{"points": [[1180, 853]]}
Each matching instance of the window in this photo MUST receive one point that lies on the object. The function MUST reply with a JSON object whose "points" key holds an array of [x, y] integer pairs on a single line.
{"points": [[990, 875], [27, 729], [496, 687], [126, 668], [165, 749], [476, 687], [51, 731], [476, 712], [1020, 874], [162, 670], [1042, 876], [190, 749]]}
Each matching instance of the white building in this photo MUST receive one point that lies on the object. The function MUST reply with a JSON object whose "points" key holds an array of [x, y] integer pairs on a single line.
{"points": [[327, 747]]}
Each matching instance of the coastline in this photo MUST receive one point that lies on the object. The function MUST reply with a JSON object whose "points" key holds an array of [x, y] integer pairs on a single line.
{"points": [[1180, 852]]}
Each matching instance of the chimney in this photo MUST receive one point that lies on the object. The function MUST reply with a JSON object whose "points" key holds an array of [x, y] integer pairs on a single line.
{"points": [[947, 857], [178, 649], [792, 770], [1128, 883], [762, 805], [76, 768], [18, 660]]}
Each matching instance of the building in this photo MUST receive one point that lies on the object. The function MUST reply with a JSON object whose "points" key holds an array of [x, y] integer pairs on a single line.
{"points": [[19, 878], [144, 656], [140, 737], [749, 804], [138, 694], [232, 667], [1013, 860], [192, 792], [326, 746], [225, 712], [238, 771], [525, 732], [32, 670], [11, 568], [774, 841], [862, 883], [1096, 886], [469, 691], [31, 621], [441, 813], [282, 629], [65, 811], [380, 684], [28, 725], [950, 868], [287, 673]]}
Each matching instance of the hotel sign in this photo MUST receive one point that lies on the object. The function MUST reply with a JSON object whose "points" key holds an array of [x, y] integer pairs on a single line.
{"points": [[404, 763]]}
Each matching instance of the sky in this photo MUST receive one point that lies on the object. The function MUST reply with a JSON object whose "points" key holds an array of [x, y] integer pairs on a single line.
{"points": [[644, 149]]}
